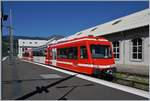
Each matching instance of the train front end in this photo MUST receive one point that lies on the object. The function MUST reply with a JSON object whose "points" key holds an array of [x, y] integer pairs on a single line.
{"points": [[102, 58]]}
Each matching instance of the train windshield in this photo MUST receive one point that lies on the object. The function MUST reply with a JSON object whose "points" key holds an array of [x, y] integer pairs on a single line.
{"points": [[101, 51]]}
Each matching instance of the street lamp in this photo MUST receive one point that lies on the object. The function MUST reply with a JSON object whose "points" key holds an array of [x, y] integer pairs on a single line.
{"points": [[4, 18], [11, 34]]}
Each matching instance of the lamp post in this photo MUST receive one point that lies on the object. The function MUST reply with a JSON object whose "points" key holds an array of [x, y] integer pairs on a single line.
{"points": [[3, 17], [10, 28], [10, 34]]}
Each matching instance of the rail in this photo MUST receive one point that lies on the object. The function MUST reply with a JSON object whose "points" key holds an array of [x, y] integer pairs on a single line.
{"points": [[132, 83]]}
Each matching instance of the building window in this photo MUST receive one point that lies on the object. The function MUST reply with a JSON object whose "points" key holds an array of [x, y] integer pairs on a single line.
{"points": [[136, 49], [116, 22], [23, 42], [35, 42], [30, 42], [93, 29], [79, 33], [38, 53], [116, 49], [23, 49]]}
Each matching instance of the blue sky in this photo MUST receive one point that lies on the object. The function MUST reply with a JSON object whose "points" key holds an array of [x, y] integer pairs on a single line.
{"points": [[65, 18]]}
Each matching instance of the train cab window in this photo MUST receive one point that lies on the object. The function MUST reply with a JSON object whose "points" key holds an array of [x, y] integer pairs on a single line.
{"points": [[100, 51], [83, 52]]}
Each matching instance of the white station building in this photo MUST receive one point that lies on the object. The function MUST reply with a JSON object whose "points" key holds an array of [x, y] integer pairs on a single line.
{"points": [[23, 44]]}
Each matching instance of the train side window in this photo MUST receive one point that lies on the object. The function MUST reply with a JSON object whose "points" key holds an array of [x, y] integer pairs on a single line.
{"points": [[72, 53], [58, 53], [62, 53], [83, 52], [67, 53]]}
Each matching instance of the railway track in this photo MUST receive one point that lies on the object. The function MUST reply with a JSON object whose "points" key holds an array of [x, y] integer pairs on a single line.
{"points": [[131, 80]]}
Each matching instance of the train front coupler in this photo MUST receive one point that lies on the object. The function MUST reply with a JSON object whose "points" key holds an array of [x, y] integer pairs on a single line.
{"points": [[108, 73]]}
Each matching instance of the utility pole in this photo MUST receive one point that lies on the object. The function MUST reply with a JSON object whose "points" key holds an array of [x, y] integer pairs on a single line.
{"points": [[3, 18], [10, 35]]}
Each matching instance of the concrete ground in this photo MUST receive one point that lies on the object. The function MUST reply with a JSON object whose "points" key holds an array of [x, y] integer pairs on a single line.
{"points": [[22, 78]]}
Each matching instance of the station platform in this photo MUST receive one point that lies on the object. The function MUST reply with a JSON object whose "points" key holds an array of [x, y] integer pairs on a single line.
{"points": [[133, 69], [33, 81]]}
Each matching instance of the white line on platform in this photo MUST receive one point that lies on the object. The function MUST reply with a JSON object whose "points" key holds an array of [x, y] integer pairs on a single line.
{"points": [[4, 58], [102, 82]]}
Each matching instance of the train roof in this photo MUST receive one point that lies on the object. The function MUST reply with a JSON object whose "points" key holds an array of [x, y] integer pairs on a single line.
{"points": [[86, 38]]}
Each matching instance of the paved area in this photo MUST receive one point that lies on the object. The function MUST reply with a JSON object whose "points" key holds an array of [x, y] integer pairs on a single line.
{"points": [[22, 78]]}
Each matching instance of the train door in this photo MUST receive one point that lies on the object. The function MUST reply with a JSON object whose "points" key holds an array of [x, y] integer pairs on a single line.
{"points": [[31, 54], [46, 56], [84, 59], [54, 52], [73, 56]]}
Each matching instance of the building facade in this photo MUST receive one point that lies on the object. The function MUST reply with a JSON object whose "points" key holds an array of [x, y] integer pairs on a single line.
{"points": [[23, 44], [131, 50]]}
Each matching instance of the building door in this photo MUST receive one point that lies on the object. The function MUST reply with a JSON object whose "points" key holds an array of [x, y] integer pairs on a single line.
{"points": [[54, 51]]}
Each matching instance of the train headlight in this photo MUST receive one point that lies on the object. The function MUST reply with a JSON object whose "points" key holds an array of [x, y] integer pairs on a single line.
{"points": [[109, 71], [114, 67], [96, 66]]}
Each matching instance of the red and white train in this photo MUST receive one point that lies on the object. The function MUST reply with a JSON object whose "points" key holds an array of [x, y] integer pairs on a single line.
{"points": [[27, 54], [89, 55]]}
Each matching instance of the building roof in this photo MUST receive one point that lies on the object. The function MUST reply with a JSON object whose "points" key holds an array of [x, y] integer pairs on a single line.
{"points": [[132, 21], [32, 40], [128, 22]]}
